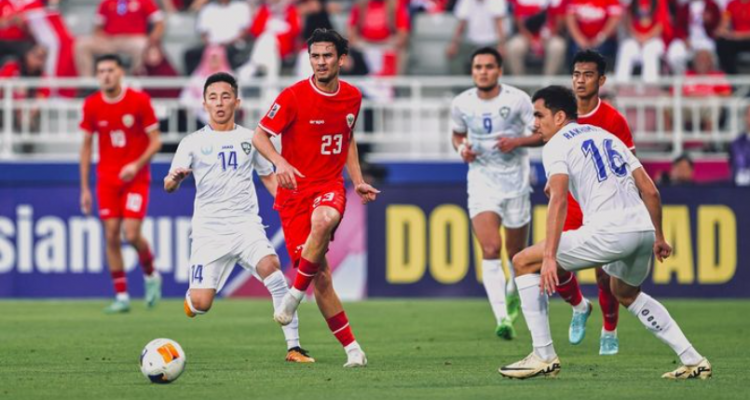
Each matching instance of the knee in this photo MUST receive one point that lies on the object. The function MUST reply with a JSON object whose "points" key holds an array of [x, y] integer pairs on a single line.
{"points": [[555, 46], [113, 238], [629, 48], [201, 303], [517, 46], [625, 295], [322, 224], [520, 263], [491, 251], [132, 235]]}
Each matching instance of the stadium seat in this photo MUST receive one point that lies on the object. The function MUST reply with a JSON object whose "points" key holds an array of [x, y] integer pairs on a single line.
{"points": [[430, 38]]}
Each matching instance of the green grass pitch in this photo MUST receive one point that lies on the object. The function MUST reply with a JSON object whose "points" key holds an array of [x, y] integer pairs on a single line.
{"points": [[425, 349]]}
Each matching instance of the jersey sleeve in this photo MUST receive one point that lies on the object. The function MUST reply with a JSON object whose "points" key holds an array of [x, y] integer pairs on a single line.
{"points": [[87, 123], [632, 160], [281, 115], [624, 133], [553, 158], [526, 114], [183, 157], [458, 124], [462, 10], [262, 166], [148, 115]]}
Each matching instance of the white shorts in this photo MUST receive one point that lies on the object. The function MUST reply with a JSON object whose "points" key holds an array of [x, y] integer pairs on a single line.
{"points": [[514, 212], [626, 256], [211, 269]]}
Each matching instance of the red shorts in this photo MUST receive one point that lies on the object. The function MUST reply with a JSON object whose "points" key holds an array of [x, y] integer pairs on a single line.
{"points": [[574, 218], [122, 200], [296, 208]]}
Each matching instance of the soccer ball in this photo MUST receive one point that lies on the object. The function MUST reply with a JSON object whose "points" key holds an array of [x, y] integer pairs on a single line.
{"points": [[162, 361]]}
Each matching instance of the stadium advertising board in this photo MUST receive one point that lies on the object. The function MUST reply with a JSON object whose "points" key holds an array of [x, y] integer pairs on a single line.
{"points": [[420, 243]]}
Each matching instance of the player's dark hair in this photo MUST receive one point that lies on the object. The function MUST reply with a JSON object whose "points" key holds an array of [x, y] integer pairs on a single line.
{"points": [[488, 50], [329, 35], [590, 56], [220, 77], [108, 57], [684, 157], [558, 98]]}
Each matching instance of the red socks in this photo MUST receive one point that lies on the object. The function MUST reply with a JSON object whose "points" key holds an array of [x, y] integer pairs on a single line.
{"points": [[305, 274], [339, 326], [569, 289], [147, 261], [609, 304], [120, 282]]}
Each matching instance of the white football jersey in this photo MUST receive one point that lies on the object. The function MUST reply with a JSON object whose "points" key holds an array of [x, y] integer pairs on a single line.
{"points": [[222, 164], [484, 122], [600, 172]]}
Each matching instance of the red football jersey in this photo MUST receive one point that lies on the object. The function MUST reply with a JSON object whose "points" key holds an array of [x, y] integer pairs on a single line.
{"points": [[608, 118], [316, 128], [127, 17], [123, 125], [592, 15]]}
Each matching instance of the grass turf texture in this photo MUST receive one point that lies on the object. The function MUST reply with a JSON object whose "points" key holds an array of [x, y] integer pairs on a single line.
{"points": [[438, 349]]}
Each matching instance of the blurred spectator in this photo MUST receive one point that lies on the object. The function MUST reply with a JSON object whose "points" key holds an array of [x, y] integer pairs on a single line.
{"points": [[221, 22], [276, 29], [314, 14], [649, 28], [695, 25], [681, 172], [733, 34], [380, 29], [156, 64], [173, 6], [704, 67], [539, 26], [592, 24], [214, 60], [48, 29], [480, 24], [31, 65], [739, 155], [121, 26], [14, 40]]}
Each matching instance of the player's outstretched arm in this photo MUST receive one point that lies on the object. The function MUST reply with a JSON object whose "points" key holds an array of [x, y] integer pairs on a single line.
{"points": [[364, 190], [652, 199], [558, 208], [130, 170], [286, 174], [85, 171]]}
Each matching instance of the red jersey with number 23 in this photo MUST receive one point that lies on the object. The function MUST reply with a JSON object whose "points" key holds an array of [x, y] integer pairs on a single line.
{"points": [[608, 118], [316, 129], [122, 125]]}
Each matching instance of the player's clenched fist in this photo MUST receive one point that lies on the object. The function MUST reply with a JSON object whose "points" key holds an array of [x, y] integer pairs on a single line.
{"points": [[86, 202], [466, 153], [286, 175], [366, 192], [662, 249], [174, 178], [128, 172]]}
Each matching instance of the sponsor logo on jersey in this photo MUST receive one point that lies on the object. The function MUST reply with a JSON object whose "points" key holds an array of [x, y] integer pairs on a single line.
{"points": [[247, 147], [317, 122], [128, 120], [207, 150], [274, 109], [103, 123], [350, 120], [505, 112]]}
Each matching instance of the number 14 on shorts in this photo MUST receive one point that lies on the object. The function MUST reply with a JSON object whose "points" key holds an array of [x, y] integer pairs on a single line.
{"points": [[196, 273]]}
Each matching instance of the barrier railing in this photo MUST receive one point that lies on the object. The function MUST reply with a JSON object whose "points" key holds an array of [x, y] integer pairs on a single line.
{"points": [[402, 118]]}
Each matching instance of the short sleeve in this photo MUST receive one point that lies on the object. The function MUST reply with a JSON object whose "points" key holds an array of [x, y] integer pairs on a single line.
{"points": [[462, 10], [632, 160], [262, 166], [151, 11], [553, 158], [526, 114], [87, 119], [623, 133], [203, 23], [458, 124], [497, 8], [281, 114], [354, 16], [614, 8], [183, 157], [402, 16], [100, 17], [148, 115]]}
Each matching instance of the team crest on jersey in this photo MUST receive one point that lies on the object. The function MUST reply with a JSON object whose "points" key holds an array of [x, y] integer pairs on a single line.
{"points": [[274, 109], [207, 150], [504, 112], [247, 147], [350, 120], [128, 120]]}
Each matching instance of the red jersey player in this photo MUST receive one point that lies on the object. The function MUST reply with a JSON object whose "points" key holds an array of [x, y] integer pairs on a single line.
{"points": [[315, 118], [588, 77], [128, 137]]}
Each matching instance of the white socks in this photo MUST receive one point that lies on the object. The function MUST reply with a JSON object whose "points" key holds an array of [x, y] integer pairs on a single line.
{"points": [[278, 287], [353, 346], [510, 289], [656, 319], [534, 306], [124, 297], [493, 278]]}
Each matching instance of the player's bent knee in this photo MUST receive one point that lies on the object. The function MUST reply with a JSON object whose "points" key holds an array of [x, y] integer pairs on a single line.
{"points": [[491, 252], [201, 303]]}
